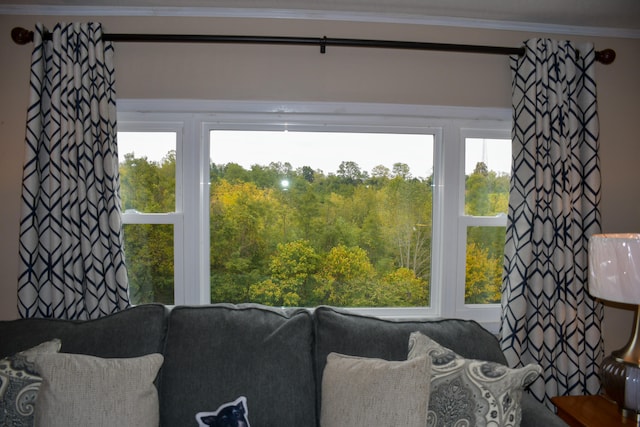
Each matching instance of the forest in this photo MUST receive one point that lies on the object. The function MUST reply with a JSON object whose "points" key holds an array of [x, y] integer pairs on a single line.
{"points": [[300, 238]]}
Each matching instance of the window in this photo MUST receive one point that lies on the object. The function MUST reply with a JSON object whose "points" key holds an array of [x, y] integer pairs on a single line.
{"points": [[304, 219], [151, 205], [482, 226], [396, 210]]}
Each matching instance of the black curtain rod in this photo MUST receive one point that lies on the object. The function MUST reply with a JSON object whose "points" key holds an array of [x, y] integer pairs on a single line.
{"points": [[23, 36]]}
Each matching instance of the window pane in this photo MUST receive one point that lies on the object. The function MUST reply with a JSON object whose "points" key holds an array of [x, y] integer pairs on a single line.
{"points": [[149, 257], [310, 218], [485, 250], [487, 168], [147, 171]]}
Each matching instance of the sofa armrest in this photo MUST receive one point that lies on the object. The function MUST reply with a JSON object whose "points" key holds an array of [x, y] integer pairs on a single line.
{"points": [[535, 414]]}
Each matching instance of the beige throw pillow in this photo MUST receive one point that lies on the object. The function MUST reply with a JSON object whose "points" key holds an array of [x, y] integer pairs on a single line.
{"points": [[80, 390], [361, 392]]}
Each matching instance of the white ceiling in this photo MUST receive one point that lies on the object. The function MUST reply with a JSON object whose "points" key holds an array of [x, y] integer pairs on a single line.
{"points": [[613, 14]]}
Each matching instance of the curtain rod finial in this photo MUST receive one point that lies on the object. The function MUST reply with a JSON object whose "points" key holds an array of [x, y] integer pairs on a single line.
{"points": [[606, 56], [21, 35]]}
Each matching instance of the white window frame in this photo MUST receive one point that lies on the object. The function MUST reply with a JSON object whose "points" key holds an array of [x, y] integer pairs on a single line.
{"points": [[484, 313], [448, 125]]}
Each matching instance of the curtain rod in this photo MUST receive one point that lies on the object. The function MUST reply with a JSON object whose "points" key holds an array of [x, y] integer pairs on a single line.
{"points": [[23, 36]]}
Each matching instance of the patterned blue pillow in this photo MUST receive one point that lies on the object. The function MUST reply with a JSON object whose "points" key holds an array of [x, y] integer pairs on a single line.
{"points": [[19, 385], [471, 392]]}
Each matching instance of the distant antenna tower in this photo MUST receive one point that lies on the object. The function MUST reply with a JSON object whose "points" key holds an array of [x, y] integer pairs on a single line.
{"points": [[484, 153]]}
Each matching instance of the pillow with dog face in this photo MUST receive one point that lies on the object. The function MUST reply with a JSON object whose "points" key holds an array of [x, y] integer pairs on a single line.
{"points": [[233, 414]]}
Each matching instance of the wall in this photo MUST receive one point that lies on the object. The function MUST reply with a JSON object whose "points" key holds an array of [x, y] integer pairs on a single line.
{"points": [[292, 73]]}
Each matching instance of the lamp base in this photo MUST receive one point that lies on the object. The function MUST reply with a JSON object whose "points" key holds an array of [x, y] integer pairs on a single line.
{"points": [[621, 383]]}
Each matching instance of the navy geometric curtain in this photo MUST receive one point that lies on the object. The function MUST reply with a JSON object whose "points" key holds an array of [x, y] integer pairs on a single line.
{"points": [[548, 317], [71, 245]]}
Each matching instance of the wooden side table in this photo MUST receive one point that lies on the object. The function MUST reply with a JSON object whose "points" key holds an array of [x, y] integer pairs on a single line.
{"points": [[590, 411]]}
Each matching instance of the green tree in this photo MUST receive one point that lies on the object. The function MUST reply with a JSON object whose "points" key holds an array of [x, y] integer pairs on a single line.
{"points": [[244, 220], [487, 194], [351, 173], [483, 276], [292, 269], [345, 277], [380, 171], [401, 170], [408, 224], [147, 186], [401, 288]]}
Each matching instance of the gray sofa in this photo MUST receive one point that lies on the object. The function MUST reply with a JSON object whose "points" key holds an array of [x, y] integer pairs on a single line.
{"points": [[274, 357]]}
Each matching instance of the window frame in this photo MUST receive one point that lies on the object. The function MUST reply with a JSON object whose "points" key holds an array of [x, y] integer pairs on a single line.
{"points": [[175, 218], [484, 313], [195, 118]]}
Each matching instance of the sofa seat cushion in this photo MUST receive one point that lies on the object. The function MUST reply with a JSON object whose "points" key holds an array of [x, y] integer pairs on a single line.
{"points": [[218, 353]]}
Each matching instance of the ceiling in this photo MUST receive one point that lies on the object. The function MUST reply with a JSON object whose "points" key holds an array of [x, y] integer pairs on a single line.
{"points": [[611, 14]]}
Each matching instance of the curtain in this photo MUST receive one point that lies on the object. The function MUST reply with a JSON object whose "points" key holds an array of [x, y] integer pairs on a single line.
{"points": [[548, 317], [71, 260]]}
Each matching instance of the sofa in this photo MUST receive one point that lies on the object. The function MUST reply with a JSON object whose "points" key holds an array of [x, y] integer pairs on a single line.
{"points": [[271, 358]]}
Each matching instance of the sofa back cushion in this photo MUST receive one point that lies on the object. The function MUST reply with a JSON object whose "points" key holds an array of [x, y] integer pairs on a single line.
{"points": [[133, 332], [218, 353], [357, 335]]}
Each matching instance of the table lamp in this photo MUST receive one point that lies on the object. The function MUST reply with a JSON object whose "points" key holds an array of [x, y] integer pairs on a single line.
{"points": [[614, 275]]}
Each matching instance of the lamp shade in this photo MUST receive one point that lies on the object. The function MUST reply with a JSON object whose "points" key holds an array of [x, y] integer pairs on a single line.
{"points": [[614, 267]]}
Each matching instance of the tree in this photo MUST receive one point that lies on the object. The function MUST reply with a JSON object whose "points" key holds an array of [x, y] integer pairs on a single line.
{"points": [[351, 173], [478, 188], [401, 288], [483, 276], [345, 277], [380, 171], [244, 220], [308, 174], [149, 187], [292, 269], [407, 223], [487, 194], [401, 170]]}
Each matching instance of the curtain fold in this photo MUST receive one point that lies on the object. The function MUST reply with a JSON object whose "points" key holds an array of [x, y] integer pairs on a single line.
{"points": [[548, 317], [71, 259]]}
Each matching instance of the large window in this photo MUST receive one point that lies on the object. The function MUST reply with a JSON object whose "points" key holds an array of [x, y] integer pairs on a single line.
{"points": [[395, 210], [315, 218]]}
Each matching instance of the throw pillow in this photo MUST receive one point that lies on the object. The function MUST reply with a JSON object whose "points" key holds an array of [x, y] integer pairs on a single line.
{"points": [[228, 414], [363, 392], [19, 384], [86, 390], [471, 392]]}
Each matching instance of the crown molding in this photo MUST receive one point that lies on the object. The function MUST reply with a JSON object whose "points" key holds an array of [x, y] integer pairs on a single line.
{"points": [[414, 19]]}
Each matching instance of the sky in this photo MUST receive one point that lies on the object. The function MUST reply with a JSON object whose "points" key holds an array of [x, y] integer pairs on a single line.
{"points": [[321, 150], [324, 151]]}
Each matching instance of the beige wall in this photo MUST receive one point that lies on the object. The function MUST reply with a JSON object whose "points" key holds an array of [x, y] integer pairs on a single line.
{"points": [[302, 74]]}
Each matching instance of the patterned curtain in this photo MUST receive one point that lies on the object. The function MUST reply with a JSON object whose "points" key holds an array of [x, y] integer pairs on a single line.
{"points": [[71, 246], [548, 317]]}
